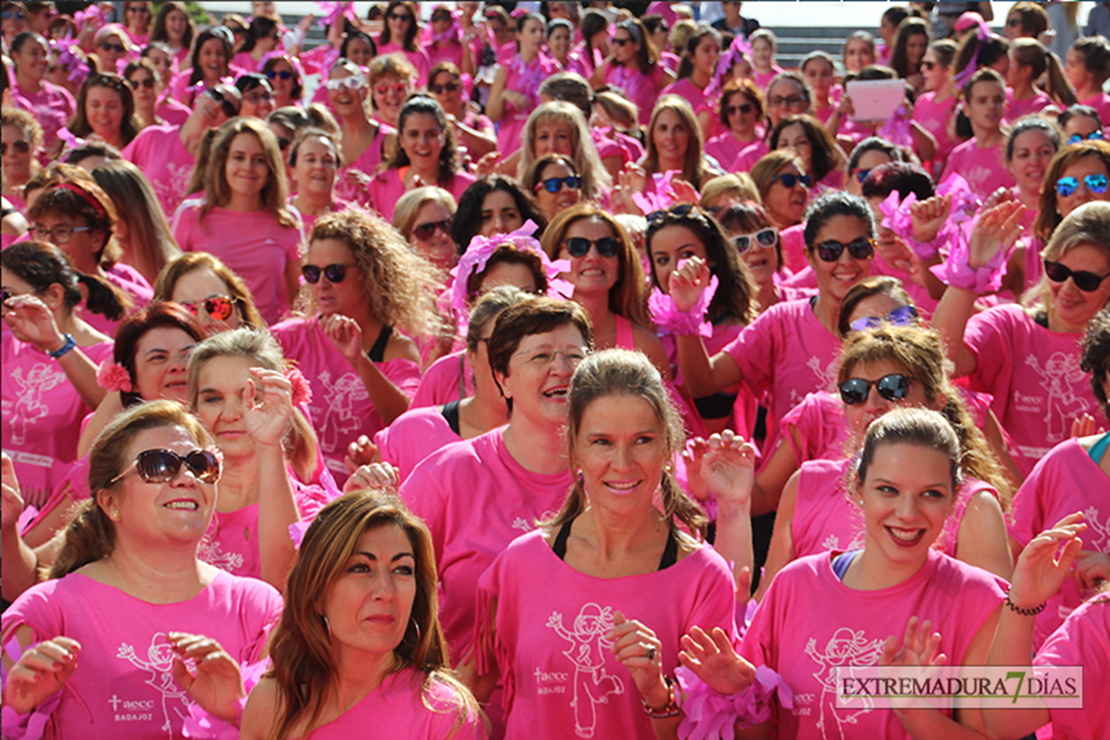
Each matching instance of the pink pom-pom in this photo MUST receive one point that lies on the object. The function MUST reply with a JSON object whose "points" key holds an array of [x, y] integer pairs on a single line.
{"points": [[302, 390], [113, 377]]}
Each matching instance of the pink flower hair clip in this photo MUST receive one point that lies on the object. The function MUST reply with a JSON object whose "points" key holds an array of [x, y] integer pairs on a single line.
{"points": [[302, 390], [113, 377]]}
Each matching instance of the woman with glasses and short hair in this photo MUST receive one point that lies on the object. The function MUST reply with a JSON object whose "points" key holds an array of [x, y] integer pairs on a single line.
{"points": [[473, 130], [740, 110], [424, 217], [788, 94], [19, 149], [258, 95]]}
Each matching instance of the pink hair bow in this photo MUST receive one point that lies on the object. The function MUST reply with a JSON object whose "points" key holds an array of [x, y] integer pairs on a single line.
{"points": [[72, 141], [738, 51], [965, 203], [113, 377], [983, 31], [331, 13], [897, 218], [78, 67], [94, 15]]}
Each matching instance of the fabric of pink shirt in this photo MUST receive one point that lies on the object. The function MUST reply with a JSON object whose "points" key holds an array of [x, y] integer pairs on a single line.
{"points": [[984, 169], [820, 428], [1015, 109], [749, 155], [368, 164], [809, 623], [1083, 639], [695, 96], [524, 79], [544, 623], [159, 153], [934, 117], [1100, 103], [340, 408], [442, 383], [793, 240], [412, 437], [1033, 374], [387, 187], [1065, 481], [52, 107], [725, 148], [787, 353], [123, 686], [42, 414], [825, 518], [252, 244], [642, 89], [308, 219], [173, 112], [418, 59], [406, 704], [763, 79], [476, 499]]}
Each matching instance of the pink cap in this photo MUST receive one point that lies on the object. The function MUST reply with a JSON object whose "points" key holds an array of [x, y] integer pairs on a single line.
{"points": [[967, 20]]}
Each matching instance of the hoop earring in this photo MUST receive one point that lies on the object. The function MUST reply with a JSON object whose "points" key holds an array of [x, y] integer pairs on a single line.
{"points": [[416, 626], [327, 625]]}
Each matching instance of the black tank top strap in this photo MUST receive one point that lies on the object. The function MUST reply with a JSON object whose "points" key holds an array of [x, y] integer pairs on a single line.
{"points": [[377, 352], [559, 546], [450, 412], [670, 552]]}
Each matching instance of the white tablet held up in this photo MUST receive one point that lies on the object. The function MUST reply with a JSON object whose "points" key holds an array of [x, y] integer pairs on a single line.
{"points": [[875, 100]]}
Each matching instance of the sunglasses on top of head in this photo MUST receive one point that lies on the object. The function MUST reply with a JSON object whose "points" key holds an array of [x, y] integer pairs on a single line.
{"points": [[893, 387], [162, 466], [901, 316], [1095, 135]]}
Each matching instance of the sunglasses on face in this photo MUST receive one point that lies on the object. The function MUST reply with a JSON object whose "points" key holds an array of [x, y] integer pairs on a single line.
{"points": [[424, 232], [441, 19], [1096, 183], [147, 83], [226, 105], [579, 246], [789, 179], [622, 42], [1086, 281], [18, 15], [334, 273], [262, 97], [19, 147], [403, 17], [791, 100], [861, 175], [283, 144], [397, 87], [555, 184], [449, 87], [901, 316], [219, 307], [162, 466], [765, 238], [891, 387], [117, 48], [860, 249], [732, 110], [284, 74], [351, 83]]}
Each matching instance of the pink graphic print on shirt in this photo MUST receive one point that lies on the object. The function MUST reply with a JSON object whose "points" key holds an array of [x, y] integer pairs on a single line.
{"points": [[826, 378], [1061, 372], [159, 663], [339, 419], [846, 647], [590, 684], [30, 408]]}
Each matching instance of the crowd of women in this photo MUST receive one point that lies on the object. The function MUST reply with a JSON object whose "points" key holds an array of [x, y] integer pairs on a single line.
{"points": [[548, 369]]}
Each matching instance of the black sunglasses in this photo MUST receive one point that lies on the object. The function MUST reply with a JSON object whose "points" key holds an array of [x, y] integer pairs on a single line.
{"points": [[147, 82], [283, 74], [449, 87], [732, 110], [789, 179], [579, 246], [19, 147], [860, 249], [681, 210], [622, 42], [892, 387], [334, 273], [555, 184], [424, 232], [117, 48], [1086, 281], [284, 143], [400, 17], [162, 466], [226, 105]]}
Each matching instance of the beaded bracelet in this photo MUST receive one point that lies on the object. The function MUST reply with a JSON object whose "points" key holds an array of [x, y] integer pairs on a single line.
{"points": [[670, 709], [1025, 612]]}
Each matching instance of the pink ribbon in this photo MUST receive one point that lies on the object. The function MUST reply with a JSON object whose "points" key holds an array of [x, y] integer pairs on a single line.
{"points": [[78, 67], [984, 34], [93, 14], [71, 140], [740, 50], [663, 197], [897, 218], [665, 314], [897, 128], [965, 203], [331, 13], [957, 273], [709, 714]]}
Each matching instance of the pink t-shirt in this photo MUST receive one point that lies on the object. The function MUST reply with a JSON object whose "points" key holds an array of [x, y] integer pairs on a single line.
{"points": [[173, 112], [476, 499], [123, 686], [1084, 639], [1015, 109], [388, 187], [984, 169], [252, 244], [822, 428], [725, 148], [749, 155], [524, 78], [793, 240], [42, 414], [418, 59], [1034, 377], [763, 79], [1065, 481], [642, 89], [556, 666], [443, 382], [159, 153], [413, 436], [787, 353], [694, 95], [52, 107], [809, 623], [407, 704], [340, 408], [935, 118], [1100, 103], [368, 163]]}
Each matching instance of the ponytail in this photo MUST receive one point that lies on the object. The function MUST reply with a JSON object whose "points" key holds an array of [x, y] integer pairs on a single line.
{"points": [[88, 538], [1058, 87], [104, 298]]}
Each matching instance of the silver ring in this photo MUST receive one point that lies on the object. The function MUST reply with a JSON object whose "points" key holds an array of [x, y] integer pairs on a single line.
{"points": [[651, 653]]}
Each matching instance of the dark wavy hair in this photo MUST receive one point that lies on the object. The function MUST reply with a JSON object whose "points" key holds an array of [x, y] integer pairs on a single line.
{"points": [[825, 155], [423, 103], [468, 218], [223, 35], [40, 265], [129, 124], [409, 42]]}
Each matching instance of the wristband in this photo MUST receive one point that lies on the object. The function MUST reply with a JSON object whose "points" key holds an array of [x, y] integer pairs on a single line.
{"points": [[70, 344], [670, 709], [1025, 612]]}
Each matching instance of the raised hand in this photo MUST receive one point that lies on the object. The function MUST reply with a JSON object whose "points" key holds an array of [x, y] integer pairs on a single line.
{"points": [[1001, 195], [711, 657], [488, 164], [380, 476], [217, 684], [896, 252], [695, 451], [12, 500], [916, 648], [32, 320], [1085, 426], [360, 452], [688, 282], [684, 192], [728, 467], [267, 419], [640, 651], [1038, 572], [995, 229], [345, 334], [929, 216], [41, 672], [1092, 569]]}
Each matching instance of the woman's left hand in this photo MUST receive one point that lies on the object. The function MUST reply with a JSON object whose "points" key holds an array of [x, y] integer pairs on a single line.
{"points": [[916, 648], [379, 476], [266, 420], [217, 684], [345, 334], [518, 100], [33, 321], [641, 652], [728, 468]]}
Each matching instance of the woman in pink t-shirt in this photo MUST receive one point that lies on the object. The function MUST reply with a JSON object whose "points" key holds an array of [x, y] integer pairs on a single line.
{"points": [[739, 111], [1028, 358], [633, 67], [400, 35], [22, 139], [695, 72], [209, 64], [473, 130], [570, 617], [820, 72], [244, 219], [211, 291], [138, 18], [364, 141], [443, 42], [51, 105], [174, 27], [980, 160], [1087, 68], [360, 625], [392, 79], [105, 109], [104, 643], [822, 158], [514, 93], [365, 287], [935, 108], [764, 69], [1029, 62], [427, 155], [784, 189], [674, 142]]}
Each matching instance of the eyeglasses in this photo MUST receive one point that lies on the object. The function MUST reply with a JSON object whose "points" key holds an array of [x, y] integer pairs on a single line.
{"points": [[1086, 281], [579, 246], [397, 87], [400, 17], [8, 15], [789, 179], [117, 48], [901, 316], [226, 105], [147, 82], [860, 249], [219, 307], [546, 357], [1095, 135], [732, 110], [622, 42], [1096, 183], [257, 98], [283, 74], [861, 175], [449, 87], [765, 238], [778, 101], [334, 273], [928, 65], [19, 147], [353, 82], [162, 466], [60, 234], [891, 387], [555, 184], [424, 232]]}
